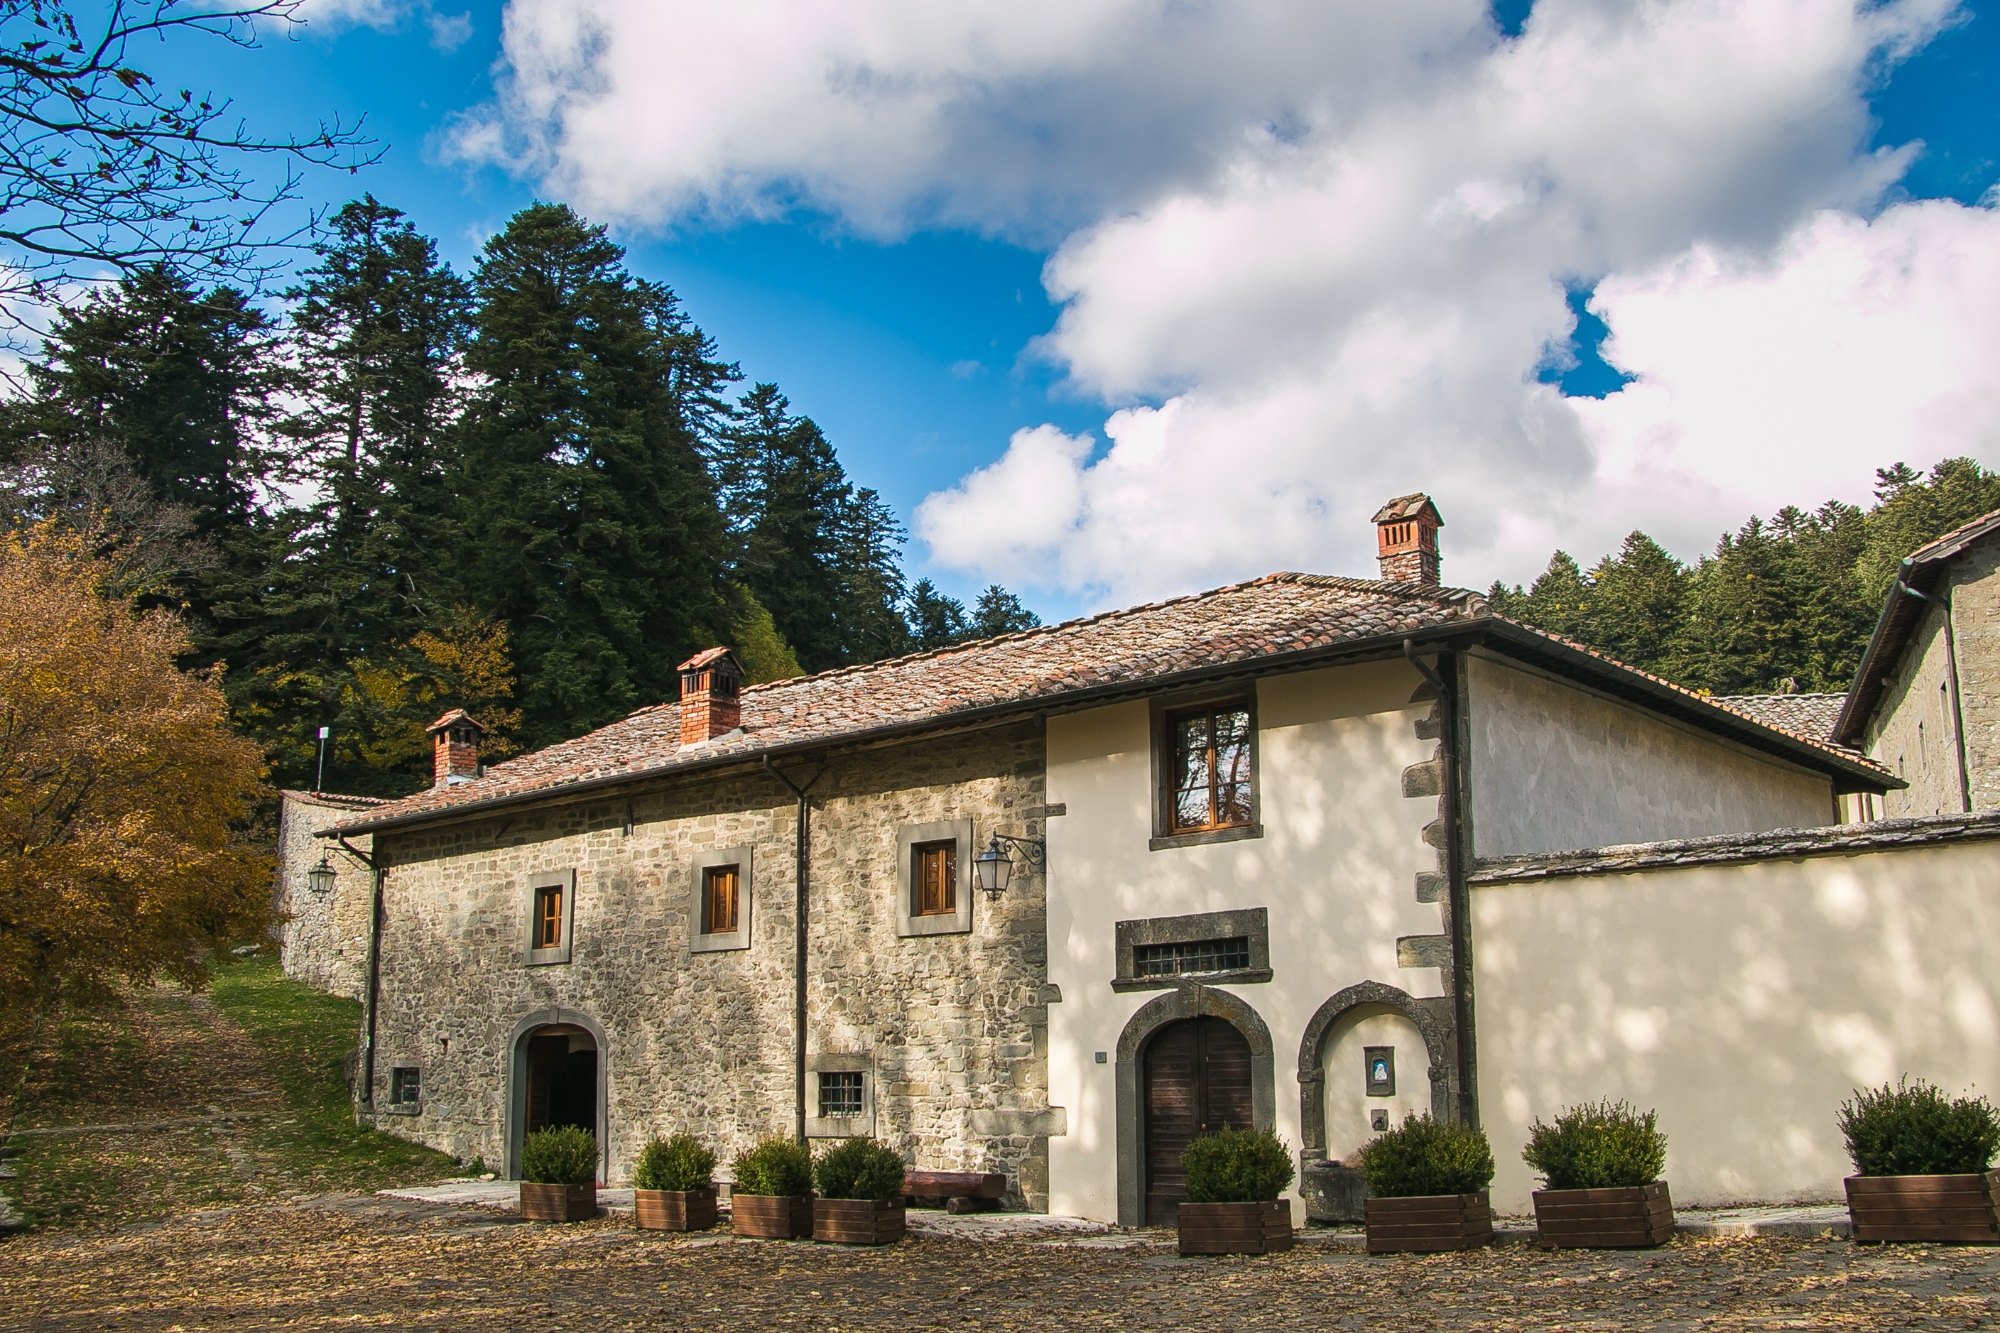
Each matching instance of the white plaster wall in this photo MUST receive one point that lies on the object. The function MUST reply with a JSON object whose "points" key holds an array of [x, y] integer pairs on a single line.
{"points": [[1556, 768], [1744, 1002], [1348, 1105], [1336, 869]]}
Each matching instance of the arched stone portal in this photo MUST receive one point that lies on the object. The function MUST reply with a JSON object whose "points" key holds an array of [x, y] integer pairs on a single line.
{"points": [[556, 1076], [1431, 1018], [1163, 1012]]}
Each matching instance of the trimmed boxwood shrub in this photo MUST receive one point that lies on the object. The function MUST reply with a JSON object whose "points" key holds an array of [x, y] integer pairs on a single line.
{"points": [[1915, 1131], [1427, 1156], [563, 1155], [679, 1163], [859, 1168], [1598, 1145], [1237, 1166], [778, 1168]]}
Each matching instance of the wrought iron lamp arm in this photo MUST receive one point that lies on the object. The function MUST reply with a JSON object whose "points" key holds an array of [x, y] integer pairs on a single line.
{"points": [[1037, 850]]}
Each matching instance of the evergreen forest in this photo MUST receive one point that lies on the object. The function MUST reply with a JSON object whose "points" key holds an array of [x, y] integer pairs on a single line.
{"points": [[531, 491], [1782, 605]]}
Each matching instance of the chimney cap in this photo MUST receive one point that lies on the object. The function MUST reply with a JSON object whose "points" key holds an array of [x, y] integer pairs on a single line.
{"points": [[712, 657], [454, 716], [1405, 507]]}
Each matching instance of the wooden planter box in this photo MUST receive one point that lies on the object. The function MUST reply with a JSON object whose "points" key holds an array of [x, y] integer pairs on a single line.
{"points": [[674, 1210], [774, 1217], [1926, 1208], [1235, 1228], [1429, 1223], [558, 1203], [857, 1221], [1634, 1217]]}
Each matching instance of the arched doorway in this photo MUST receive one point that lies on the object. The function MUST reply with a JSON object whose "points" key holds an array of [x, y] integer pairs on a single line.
{"points": [[556, 1077], [1197, 1080]]}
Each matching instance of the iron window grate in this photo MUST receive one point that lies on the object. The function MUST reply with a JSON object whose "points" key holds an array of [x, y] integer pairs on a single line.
{"points": [[839, 1094], [1191, 956]]}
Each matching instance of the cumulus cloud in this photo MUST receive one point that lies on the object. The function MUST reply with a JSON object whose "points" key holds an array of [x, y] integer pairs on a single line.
{"points": [[1313, 254]]}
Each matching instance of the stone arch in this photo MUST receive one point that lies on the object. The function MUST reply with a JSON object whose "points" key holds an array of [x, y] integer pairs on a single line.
{"points": [[1432, 1018], [516, 1120], [1186, 1001]]}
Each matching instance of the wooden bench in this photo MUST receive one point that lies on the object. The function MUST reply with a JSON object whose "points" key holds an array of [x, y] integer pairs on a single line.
{"points": [[962, 1191]]}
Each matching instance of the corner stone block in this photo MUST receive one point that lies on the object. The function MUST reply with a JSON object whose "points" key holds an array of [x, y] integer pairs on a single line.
{"points": [[1425, 779], [1432, 886], [1423, 951]]}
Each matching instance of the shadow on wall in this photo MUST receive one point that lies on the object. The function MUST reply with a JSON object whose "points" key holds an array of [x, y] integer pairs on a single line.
{"points": [[1744, 1002]]}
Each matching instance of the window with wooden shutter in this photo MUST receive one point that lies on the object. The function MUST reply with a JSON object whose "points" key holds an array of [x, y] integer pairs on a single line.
{"points": [[934, 878], [720, 897], [548, 916]]}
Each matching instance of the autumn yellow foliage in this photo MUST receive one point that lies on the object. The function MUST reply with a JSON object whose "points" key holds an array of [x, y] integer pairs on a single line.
{"points": [[123, 793]]}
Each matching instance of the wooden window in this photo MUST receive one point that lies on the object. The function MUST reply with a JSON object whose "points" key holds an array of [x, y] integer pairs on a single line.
{"points": [[1210, 768], [839, 1094], [720, 893], [548, 916], [934, 878]]}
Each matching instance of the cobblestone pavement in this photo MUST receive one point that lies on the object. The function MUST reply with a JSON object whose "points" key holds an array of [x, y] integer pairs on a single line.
{"points": [[364, 1262]]}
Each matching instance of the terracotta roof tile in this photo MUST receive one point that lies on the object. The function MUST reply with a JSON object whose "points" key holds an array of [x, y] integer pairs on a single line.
{"points": [[1808, 715]]}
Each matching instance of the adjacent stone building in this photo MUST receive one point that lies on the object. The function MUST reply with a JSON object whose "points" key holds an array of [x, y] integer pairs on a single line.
{"points": [[322, 920]]}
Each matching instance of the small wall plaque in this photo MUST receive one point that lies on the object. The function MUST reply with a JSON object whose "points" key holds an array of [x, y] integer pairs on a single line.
{"points": [[1380, 1070]]}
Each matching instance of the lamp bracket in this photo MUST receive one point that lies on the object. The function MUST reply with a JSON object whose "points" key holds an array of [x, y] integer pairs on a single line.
{"points": [[1036, 849]]}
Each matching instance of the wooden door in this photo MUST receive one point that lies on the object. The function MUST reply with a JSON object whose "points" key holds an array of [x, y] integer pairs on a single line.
{"points": [[1197, 1079]]}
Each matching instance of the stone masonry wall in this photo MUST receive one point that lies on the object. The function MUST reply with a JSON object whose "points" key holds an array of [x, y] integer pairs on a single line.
{"points": [[954, 1024], [323, 941]]}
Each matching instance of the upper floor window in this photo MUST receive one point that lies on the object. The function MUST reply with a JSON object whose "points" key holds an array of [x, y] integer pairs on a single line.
{"points": [[1209, 768], [721, 894], [549, 916], [934, 878]]}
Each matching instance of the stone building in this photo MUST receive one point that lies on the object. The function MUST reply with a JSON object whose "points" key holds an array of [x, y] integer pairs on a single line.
{"points": [[1239, 832], [1926, 698], [323, 924]]}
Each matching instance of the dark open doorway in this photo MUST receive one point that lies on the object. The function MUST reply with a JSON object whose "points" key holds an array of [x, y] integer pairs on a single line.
{"points": [[557, 1083]]}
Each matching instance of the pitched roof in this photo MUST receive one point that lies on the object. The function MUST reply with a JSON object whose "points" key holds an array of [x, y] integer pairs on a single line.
{"points": [[455, 715], [1281, 617], [1923, 569], [1408, 506], [1810, 715]]}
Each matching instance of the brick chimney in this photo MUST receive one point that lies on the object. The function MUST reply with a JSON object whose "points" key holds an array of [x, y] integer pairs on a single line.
{"points": [[455, 757], [709, 703], [1406, 540]]}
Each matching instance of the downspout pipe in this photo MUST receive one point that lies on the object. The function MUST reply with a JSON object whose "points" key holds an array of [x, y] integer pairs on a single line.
{"points": [[374, 969], [1459, 896], [1951, 669], [802, 915]]}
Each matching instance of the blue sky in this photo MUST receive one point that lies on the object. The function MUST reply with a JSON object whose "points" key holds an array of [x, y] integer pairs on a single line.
{"points": [[914, 344]]}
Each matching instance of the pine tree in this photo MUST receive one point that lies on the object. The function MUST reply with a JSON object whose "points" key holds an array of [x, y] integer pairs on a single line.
{"points": [[1000, 612], [355, 577], [589, 518], [936, 620]]}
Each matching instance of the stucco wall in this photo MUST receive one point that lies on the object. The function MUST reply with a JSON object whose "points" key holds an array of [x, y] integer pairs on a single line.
{"points": [[323, 941], [1554, 767], [1743, 1001], [1336, 869], [952, 1024], [1913, 730]]}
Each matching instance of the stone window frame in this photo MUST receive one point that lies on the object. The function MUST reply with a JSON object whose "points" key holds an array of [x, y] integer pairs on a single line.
{"points": [[908, 922], [1161, 710], [1252, 923], [566, 881], [699, 940], [846, 1126], [412, 1106]]}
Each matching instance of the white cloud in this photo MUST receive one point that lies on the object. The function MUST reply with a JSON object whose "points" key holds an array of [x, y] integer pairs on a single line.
{"points": [[1314, 253], [336, 14]]}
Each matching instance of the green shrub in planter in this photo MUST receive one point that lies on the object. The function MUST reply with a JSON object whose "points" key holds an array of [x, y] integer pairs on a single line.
{"points": [[679, 1163], [1598, 1145], [565, 1155], [775, 1168], [1425, 1157], [1237, 1166], [859, 1169], [1916, 1131]]}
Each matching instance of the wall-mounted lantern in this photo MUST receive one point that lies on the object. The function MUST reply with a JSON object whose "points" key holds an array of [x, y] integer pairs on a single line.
{"points": [[319, 880], [992, 867]]}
